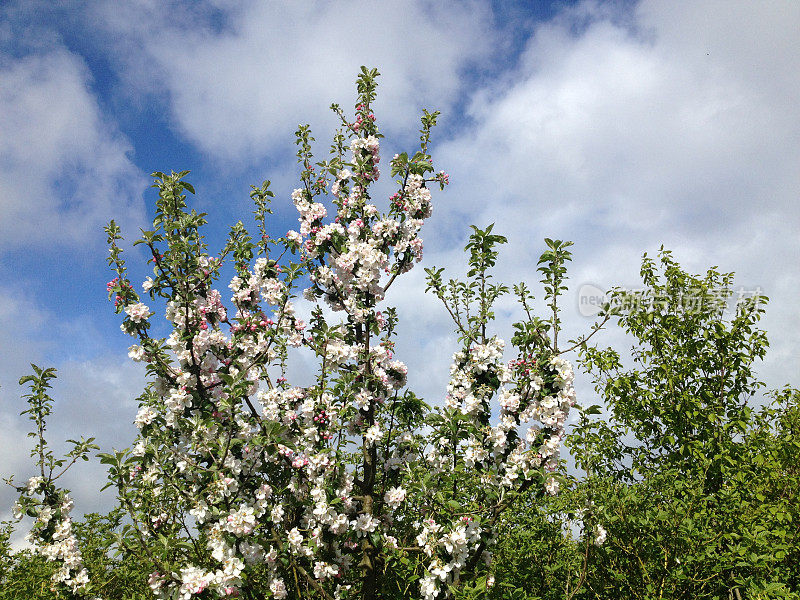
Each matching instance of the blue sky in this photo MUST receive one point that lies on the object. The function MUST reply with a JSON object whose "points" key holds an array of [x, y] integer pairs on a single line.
{"points": [[619, 125]]}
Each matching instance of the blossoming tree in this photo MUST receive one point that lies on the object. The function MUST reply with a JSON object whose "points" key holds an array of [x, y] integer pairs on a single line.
{"points": [[243, 484]]}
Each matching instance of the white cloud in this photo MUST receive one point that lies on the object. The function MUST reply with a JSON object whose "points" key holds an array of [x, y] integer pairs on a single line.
{"points": [[673, 125], [64, 171], [239, 91]]}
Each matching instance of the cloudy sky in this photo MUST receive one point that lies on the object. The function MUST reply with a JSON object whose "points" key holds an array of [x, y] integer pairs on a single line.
{"points": [[619, 125]]}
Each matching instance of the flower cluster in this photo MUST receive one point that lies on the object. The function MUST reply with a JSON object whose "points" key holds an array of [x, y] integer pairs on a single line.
{"points": [[535, 400], [52, 532], [451, 549], [600, 535]]}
